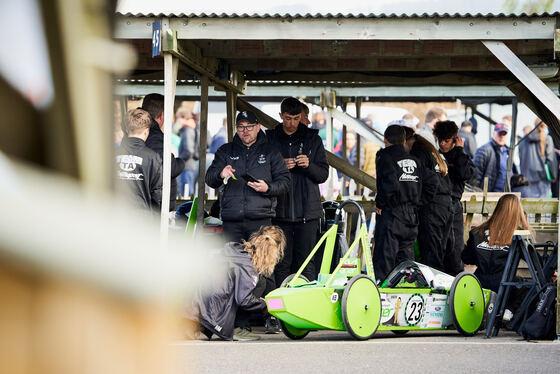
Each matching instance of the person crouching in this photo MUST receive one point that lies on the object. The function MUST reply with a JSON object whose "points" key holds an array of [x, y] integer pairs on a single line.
{"points": [[244, 285]]}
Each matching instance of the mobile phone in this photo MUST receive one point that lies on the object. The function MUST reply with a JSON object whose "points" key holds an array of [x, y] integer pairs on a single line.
{"points": [[249, 178]]}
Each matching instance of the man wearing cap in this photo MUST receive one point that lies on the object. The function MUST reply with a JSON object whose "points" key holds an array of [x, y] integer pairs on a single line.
{"points": [[491, 160], [252, 174]]}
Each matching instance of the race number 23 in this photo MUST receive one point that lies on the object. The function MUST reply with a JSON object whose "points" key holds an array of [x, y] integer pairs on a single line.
{"points": [[414, 309]]}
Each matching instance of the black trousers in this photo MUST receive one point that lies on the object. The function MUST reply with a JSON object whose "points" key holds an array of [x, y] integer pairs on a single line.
{"points": [[301, 237], [452, 263], [395, 234], [234, 231], [263, 287], [433, 231]]}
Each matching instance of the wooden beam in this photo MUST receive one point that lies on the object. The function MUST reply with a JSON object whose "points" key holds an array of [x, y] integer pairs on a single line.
{"points": [[233, 50], [202, 153], [525, 76], [230, 113], [366, 28], [397, 79], [171, 67], [191, 57]]}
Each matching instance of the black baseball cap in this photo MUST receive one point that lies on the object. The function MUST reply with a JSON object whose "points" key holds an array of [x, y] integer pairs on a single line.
{"points": [[246, 115]]}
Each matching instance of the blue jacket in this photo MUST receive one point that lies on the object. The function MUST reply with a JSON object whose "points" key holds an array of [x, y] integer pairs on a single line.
{"points": [[487, 164]]}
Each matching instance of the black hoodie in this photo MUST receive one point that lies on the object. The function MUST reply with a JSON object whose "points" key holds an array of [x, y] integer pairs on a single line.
{"points": [[303, 200]]}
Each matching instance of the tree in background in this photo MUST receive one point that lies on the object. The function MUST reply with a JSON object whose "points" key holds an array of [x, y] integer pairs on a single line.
{"points": [[528, 6]]}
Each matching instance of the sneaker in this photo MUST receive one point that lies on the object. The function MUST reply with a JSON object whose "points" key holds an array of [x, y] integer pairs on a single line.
{"points": [[271, 325], [243, 334]]}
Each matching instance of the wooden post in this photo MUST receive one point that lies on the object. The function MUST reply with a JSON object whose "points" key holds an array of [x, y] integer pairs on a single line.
{"points": [[329, 126], [343, 152], [202, 152], [171, 65], [358, 105], [230, 109], [513, 130]]}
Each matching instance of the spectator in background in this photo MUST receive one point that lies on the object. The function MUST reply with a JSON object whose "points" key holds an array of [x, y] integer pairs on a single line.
{"points": [[491, 160], [351, 157], [433, 115], [189, 152], [220, 138], [305, 115], [508, 120], [461, 169], [527, 129], [409, 119], [538, 161], [139, 167], [469, 140], [153, 104]]}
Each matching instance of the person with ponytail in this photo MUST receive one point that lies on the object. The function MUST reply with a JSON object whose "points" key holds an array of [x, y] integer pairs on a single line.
{"points": [[249, 265], [435, 201]]}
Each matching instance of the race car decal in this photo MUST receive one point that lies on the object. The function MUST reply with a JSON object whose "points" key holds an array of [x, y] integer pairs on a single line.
{"points": [[414, 309]]}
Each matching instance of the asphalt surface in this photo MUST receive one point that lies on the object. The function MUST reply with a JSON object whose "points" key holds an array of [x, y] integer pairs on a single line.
{"points": [[336, 352]]}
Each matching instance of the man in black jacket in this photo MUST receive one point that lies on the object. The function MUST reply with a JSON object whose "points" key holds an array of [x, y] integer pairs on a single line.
{"points": [[153, 104], [139, 168], [396, 203], [461, 169], [253, 175], [299, 209]]}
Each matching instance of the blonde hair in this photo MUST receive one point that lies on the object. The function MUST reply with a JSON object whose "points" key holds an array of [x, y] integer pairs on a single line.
{"points": [[508, 216], [137, 120], [266, 248], [435, 154]]}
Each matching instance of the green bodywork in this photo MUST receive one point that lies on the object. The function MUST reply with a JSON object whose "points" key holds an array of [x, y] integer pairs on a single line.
{"points": [[317, 305]]}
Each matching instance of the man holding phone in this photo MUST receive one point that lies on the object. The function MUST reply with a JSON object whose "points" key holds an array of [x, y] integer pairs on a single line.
{"points": [[299, 209], [252, 175]]}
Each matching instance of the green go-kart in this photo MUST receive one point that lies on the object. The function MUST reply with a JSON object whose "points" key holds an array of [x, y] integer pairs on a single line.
{"points": [[412, 297]]}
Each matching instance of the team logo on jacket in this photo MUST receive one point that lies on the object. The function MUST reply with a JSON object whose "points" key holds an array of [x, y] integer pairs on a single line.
{"points": [[262, 159], [234, 157], [127, 164], [408, 167]]}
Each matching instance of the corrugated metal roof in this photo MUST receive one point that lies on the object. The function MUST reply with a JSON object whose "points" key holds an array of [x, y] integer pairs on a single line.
{"points": [[322, 9], [338, 15]]}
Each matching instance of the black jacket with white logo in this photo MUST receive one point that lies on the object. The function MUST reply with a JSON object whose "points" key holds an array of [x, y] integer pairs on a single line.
{"points": [[490, 260], [436, 188], [399, 180], [139, 170], [239, 201], [303, 200]]}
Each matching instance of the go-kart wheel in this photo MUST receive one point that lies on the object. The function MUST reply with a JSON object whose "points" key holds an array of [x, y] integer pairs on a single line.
{"points": [[361, 307], [293, 332], [466, 303], [301, 280]]}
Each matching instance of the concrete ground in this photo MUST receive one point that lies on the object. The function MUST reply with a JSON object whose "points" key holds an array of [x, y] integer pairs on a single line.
{"points": [[336, 352]]}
